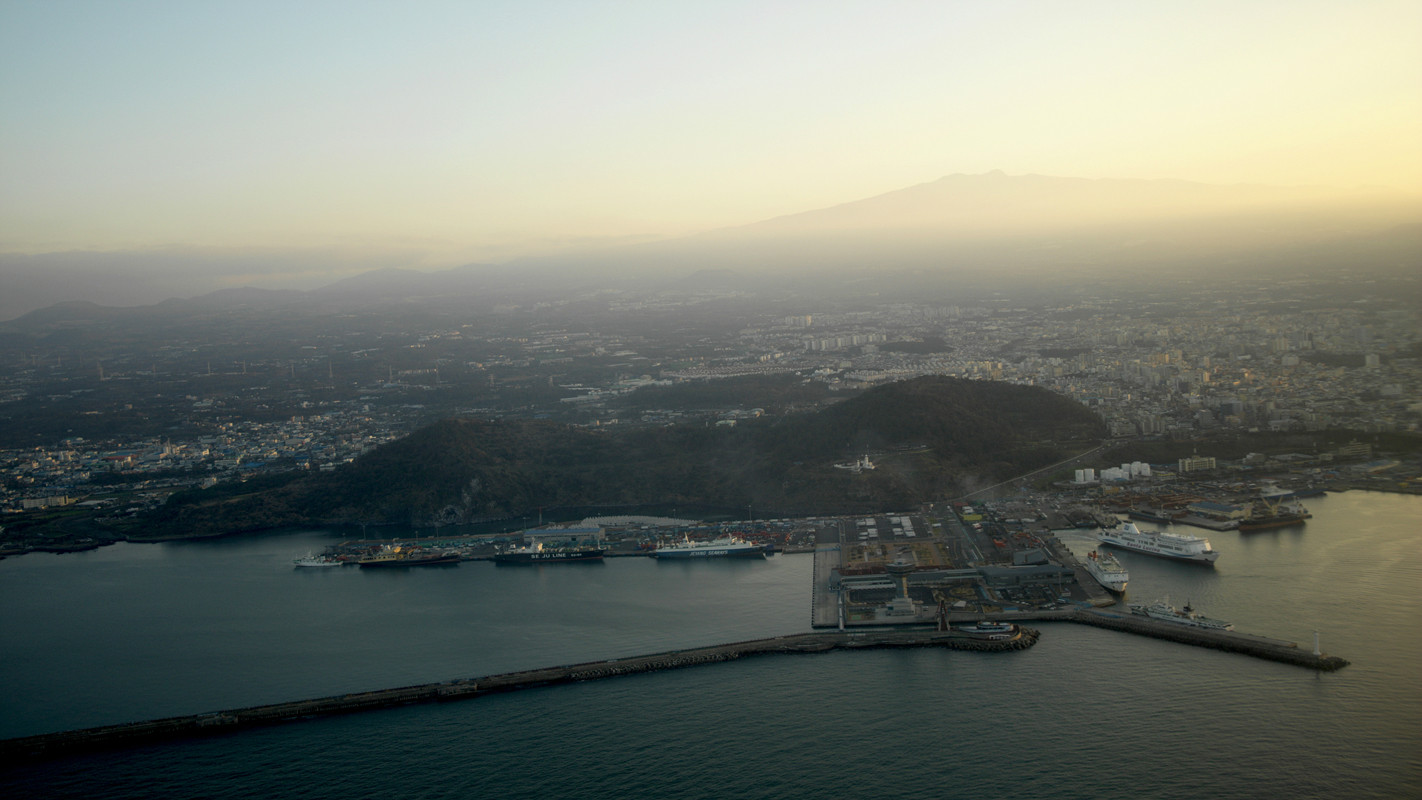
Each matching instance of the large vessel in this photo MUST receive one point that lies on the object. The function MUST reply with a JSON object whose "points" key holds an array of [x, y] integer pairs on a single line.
{"points": [[1163, 610], [536, 553], [397, 556], [1158, 515], [1107, 571], [721, 547], [1275, 508], [989, 630], [1160, 543], [313, 560], [1210, 523]]}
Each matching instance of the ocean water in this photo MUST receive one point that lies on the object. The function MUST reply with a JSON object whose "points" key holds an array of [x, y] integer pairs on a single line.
{"points": [[143, 631]]}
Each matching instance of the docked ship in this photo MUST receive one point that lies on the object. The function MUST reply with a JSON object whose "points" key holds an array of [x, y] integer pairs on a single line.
{"points": [[536, 553], [1163, 610], [989, 630], [313, 560], [398, 556], [1179, 546], [1275, 508], [1107, 571], [1158, 515], [721, 547]]}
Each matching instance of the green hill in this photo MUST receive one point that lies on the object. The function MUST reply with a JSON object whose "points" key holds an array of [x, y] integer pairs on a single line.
{"points": [[931, 438]]}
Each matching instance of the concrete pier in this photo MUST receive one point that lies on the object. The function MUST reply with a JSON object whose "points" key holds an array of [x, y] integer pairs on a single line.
{"points": [[14, 751], [1229, 641]]}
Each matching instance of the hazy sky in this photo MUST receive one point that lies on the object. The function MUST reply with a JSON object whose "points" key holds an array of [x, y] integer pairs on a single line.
{"points": [[450, 132]]}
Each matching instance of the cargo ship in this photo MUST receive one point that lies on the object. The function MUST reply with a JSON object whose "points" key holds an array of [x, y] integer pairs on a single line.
{"points": [[397, 556], [1107, 571], [1275, 508], [1179, 546], [536, 553], [721, 547], [1151, 515], [1162, 610]]}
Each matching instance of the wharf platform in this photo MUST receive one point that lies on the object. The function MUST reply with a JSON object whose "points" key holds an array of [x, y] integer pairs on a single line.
{"points": [[1228, 641], [1248, 644], [29, 748]]}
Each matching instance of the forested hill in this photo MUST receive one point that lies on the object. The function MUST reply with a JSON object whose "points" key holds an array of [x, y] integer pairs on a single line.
{"points": [[931, 438]]}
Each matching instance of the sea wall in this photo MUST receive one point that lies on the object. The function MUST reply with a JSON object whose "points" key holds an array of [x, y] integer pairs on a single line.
{"points": [[54, 744], [1229, 641]]}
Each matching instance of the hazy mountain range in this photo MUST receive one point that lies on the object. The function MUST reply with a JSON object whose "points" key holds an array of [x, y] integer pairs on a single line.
{"points": [[964, 227]]}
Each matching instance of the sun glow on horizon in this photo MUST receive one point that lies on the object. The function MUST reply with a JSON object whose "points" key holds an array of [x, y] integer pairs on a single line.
{"points": [[485, 132]]}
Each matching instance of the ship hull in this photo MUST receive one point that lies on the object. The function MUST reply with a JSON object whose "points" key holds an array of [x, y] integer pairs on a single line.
{"points": [[550, 557], [1196, 558], [1113, 582], [1276, 522], [409, 562], [1193, 549], [1209, 524], [709, 552]]}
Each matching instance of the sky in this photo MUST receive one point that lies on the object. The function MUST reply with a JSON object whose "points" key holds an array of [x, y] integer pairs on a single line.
{"points": [[282, 140]]}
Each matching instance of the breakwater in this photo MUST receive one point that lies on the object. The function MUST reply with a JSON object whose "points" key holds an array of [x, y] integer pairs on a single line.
{"points": [[1228, 641], [54, 744]]}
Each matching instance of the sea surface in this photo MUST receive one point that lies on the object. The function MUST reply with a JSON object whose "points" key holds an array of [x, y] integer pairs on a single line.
{"points": [[134, 632]]}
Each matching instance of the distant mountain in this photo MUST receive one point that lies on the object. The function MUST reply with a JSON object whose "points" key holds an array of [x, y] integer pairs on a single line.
{"points": [[933, 437], [996, 203], [1006, 226], [993, 226]]}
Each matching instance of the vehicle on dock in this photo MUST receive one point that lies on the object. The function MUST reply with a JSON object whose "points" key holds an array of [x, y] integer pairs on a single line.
{"points": [[1164, 611]]}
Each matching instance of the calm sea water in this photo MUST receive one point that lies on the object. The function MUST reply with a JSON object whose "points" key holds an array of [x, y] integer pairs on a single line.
{"points": [[141, 631]]}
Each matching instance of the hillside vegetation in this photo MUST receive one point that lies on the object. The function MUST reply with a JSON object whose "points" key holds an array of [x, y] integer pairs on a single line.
{"points": [[931, 438]]}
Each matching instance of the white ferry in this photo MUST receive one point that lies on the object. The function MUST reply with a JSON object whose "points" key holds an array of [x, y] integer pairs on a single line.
{"points": [[1163, 610], [1180, 546], [1107, 571], [989, 630], [722, 547]]}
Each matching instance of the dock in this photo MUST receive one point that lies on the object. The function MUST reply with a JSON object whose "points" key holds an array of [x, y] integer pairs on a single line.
{"points": [[48, 745], [1228, 641]]}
